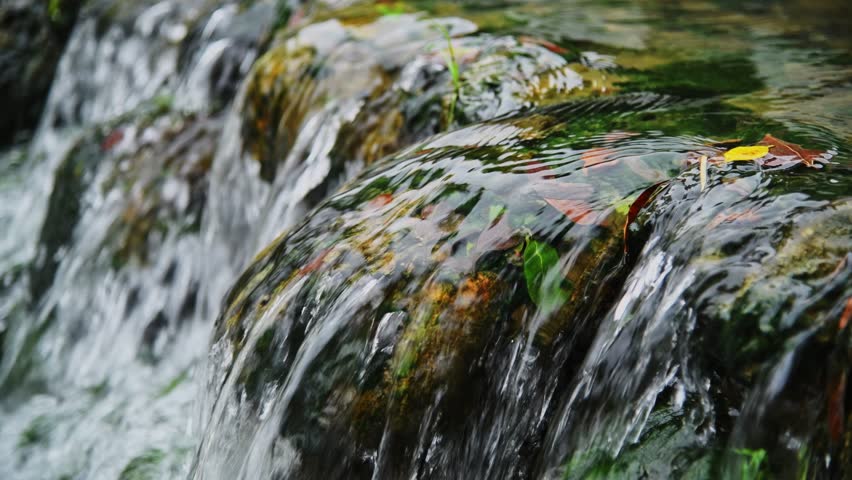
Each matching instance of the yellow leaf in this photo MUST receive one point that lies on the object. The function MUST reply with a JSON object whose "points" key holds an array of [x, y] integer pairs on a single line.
{"points": [[746, 153]]}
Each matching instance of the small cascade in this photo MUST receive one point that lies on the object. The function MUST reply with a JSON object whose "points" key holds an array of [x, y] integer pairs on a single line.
{"points": [[478, 239], [106, 334]]}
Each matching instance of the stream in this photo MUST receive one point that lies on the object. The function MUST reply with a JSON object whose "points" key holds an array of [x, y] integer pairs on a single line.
{"points": [[269, 239]]}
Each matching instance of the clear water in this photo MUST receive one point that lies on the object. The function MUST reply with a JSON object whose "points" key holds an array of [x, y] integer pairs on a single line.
{"points": [[173, 153]]}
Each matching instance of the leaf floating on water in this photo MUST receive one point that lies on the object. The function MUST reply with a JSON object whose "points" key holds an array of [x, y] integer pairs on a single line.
{"points": [[790, 151], [746, 153], [637, 207]]}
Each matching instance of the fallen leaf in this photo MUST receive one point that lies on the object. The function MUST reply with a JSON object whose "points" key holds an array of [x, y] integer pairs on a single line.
{"points": [[380, 200], [112, 140], [846, 315], [736, 217], [594, 156], [640, 167], [702, 174], [499, 236], [578, 211], [730, 142], [746, 153], [790, 151], [537, 167], [572, 199], [544, 43], [637, 207], [316, 263]]}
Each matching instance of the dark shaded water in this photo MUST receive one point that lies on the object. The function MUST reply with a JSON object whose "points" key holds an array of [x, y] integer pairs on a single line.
{"points": [[514, 271]]}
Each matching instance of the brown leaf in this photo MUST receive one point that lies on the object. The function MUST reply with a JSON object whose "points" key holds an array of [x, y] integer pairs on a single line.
{"points": [[112, 140], [784, 151], [637, 207], [573, 200], [727, 143], [316, 263], [536, 166], [380, 200], [639, 167], [595, 156], [499, 236], [846, 315], [577, 210], [735, 217], [544, 43]]}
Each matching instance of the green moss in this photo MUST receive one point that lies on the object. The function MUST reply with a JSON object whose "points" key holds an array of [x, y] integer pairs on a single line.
{"points": [[670, 447], [697, 78], [36, 432], [144, 467], [173, 384], [54, 10]]}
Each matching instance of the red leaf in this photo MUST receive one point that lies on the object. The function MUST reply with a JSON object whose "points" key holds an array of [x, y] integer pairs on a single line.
{"points": [[536, 166], [577, 210], [846, 315], [316, 263], [544, 43], [637, 207], [782, 151], [572, 199], [595, 156], [380, 200], [736, 217], [112, 140]]}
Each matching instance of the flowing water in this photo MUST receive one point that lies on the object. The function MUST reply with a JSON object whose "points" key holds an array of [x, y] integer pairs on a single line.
{"points": [[472, 239]]}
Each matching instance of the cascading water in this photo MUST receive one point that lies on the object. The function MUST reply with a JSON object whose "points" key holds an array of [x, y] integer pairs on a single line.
{"points": [[105, 335], [487, 247]]}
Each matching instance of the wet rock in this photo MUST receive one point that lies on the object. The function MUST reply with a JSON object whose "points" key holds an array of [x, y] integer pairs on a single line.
{"points": [[438, 238], [480, 281]]}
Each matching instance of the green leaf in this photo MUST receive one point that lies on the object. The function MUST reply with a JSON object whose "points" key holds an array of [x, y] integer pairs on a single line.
{"points": [[544, 283]]}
